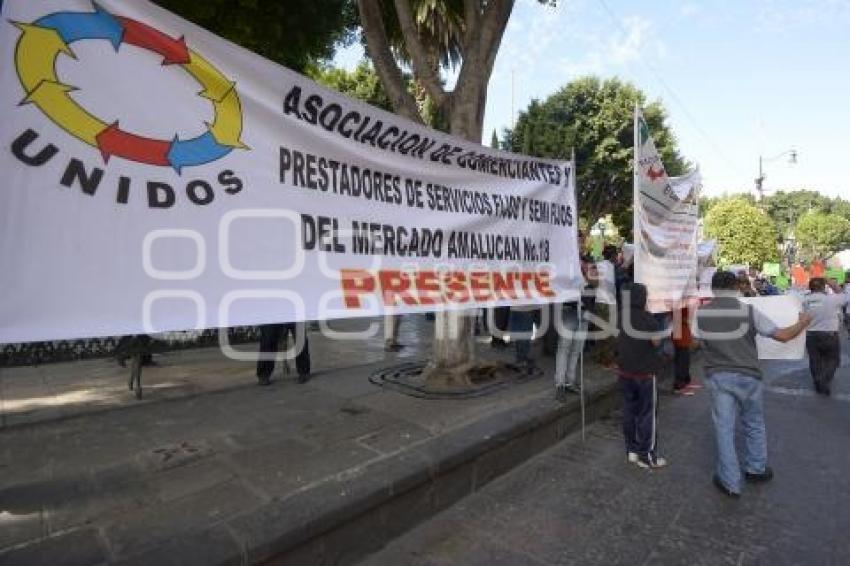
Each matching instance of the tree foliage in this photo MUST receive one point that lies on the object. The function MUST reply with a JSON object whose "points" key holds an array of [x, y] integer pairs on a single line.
{"points": [[364, 84], [595, 117], [787, 208], [821, 235], [429, 36], [292, 33], [745, 234], [707, 203], [361, 83]]}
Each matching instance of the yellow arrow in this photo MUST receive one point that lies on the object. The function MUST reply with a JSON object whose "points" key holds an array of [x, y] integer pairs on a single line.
{"points": [[227, 125], [216, 85], [52, 99], [35, 55]]}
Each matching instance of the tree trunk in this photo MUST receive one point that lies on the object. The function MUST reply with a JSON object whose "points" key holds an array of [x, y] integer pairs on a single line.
{"points": [[454, 345], [453, 358]]}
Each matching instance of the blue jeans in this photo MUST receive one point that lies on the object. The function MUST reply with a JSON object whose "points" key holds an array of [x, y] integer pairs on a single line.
{"points": [[521, 326], [570, 344], [734, 394]]}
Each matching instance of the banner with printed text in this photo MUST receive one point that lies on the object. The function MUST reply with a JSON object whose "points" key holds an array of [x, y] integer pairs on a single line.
{"points": [[157, 177], [666, 226]]}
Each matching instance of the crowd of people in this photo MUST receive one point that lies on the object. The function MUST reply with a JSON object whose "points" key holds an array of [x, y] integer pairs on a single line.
{"points": [[719, 325], [647, 347]]}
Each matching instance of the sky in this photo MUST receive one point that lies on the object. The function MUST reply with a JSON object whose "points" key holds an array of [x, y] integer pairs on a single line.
{"points": [[740, 78]]}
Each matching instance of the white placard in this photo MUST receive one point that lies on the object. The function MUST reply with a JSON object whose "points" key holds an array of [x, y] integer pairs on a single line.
{"points": [[783, 311]]}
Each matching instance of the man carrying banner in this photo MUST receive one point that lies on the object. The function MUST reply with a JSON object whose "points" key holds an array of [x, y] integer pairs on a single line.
{"points": [[573, 333], [606, 303], [392, 324], [639, 360], [270, 337], [728, 329]]}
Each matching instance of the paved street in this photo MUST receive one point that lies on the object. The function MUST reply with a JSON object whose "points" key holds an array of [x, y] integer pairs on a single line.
{"points": [[580, 503]]}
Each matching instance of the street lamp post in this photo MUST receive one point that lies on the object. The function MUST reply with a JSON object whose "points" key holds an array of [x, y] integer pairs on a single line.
{"points": [[792, 159], [790, 249]]}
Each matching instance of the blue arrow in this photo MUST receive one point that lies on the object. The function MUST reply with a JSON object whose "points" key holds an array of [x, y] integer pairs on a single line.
{"points": [[196, 151], [73, 26]]}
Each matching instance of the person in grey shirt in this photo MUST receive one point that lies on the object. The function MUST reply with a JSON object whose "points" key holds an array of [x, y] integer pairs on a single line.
{"points": [[727, 329], [823, 343]]}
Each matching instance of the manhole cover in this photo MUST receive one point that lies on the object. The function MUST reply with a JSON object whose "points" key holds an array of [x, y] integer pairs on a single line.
{"points": [[175, 455], [409, 378]]}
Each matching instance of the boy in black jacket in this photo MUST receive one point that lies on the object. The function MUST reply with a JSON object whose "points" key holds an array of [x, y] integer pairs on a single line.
{"points": [[639, 360]]}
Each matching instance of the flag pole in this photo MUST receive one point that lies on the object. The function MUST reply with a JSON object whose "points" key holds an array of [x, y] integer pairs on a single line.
{"points": [[580, 317], [636, 235]]}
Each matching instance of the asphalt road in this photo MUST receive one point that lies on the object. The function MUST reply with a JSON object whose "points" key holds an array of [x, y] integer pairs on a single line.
{"points": [[581, 503]]}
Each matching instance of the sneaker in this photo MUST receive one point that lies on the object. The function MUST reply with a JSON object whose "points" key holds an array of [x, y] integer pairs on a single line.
{"points": [[651, 461], [392, 347], [763, 477], [632, 457], [684, 391], [694, 385], [264, 379], [721, 487], [573, 388]]}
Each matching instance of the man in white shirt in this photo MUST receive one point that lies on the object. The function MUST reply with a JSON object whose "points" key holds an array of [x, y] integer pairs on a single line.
{"points": [[822, 340], [606, 292], [606, 303], [847, 307]]}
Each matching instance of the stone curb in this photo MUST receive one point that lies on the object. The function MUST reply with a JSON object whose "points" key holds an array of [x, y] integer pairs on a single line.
{"points": [[340, 521], [345, 518]]}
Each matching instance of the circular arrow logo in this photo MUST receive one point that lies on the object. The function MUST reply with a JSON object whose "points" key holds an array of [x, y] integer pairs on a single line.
{"points": [[42, 42]]}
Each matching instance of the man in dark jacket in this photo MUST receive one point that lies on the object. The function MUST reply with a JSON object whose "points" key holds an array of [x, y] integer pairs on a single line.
{"points": [[638, 362], [270, 336], [727, 329]]}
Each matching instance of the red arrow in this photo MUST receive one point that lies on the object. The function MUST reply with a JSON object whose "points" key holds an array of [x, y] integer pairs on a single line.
{"points": [[114, 141], [655, 175], [142, 35]]}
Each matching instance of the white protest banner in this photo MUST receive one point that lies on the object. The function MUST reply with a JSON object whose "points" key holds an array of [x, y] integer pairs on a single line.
{"points": [[705, 276], [666, 221], [706, 251], [158, 178], [783, 311]]}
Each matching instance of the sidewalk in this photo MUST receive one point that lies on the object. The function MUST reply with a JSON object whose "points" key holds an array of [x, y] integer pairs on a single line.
{"points": [[211, 468], [50, 391]]}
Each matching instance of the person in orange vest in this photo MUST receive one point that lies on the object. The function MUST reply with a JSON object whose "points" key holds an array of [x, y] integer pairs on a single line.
{"points": [[799, 276]]}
